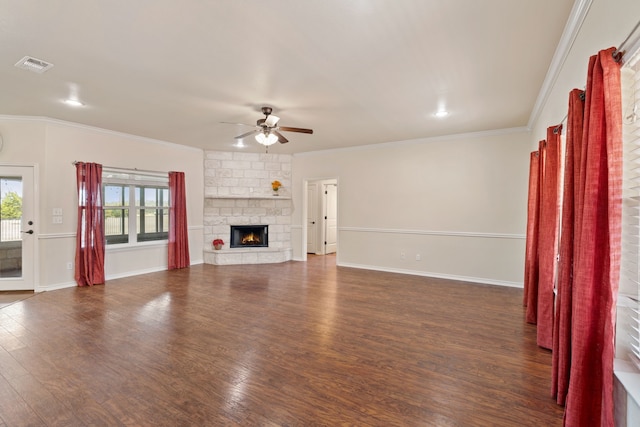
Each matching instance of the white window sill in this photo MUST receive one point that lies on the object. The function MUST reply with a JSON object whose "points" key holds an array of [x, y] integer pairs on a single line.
{"points": [[629, 376]]}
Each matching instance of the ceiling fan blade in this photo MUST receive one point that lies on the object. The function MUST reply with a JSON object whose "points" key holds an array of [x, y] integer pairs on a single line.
{"points": [[281, 138], [271, 120], [289, 129], [241, 124], [244, 135]]}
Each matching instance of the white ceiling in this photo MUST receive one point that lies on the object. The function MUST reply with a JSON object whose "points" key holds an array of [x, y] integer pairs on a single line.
{"points": [[356, 71]]}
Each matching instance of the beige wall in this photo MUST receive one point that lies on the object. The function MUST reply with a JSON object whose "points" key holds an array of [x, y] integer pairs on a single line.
{"points": [[52, 146], [458, 202]]}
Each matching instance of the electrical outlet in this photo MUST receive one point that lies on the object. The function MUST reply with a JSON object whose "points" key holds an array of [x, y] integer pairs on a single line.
{"points": [[418, 257], [402, 255], [69, 266], [56, 220]]}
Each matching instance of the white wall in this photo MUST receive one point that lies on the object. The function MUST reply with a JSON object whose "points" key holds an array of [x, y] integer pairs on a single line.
{"points": [[458, 202], [52, 146]]}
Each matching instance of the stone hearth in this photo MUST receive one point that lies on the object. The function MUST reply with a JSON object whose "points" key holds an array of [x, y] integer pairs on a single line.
{"points": [[246, 256]]}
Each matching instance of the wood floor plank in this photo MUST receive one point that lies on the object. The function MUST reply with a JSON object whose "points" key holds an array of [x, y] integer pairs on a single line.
{"points": [[14, 411], [43, 402], [295, 344]]}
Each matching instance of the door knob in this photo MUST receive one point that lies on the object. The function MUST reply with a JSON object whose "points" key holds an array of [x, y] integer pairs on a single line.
{"points": [[28, 231]]}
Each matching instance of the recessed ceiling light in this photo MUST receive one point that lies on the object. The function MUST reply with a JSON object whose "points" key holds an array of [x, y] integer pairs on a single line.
{"points": [[239, 144], [73, 102], [440, 114]]}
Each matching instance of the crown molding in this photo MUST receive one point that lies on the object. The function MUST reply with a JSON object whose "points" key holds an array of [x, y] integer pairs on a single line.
{"points": [[49, 120], [572, 28]]}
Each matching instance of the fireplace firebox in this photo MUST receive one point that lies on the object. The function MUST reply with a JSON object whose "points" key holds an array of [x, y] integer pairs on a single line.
{"points": [[249, 236]]}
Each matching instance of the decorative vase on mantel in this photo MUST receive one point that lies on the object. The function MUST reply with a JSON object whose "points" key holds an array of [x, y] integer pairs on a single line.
{"points": [[275, 186]]}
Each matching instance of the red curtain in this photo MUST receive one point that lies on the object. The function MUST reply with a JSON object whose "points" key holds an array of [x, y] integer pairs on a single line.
{"points": [[531, 295], [548, 238], [562, 322], [178, 231], [596, 266], [90, 232], [531, 249]]}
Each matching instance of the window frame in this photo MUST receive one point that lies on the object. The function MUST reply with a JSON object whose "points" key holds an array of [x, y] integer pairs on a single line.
{"points": [[134, 182]]}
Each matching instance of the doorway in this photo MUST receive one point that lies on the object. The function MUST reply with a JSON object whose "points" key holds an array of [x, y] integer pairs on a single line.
{"points": [[17, 228], [322, 216]]}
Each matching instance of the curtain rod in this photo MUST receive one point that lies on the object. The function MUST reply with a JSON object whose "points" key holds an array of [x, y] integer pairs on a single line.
{"points": [[134, 170], [557, 128], [619, 53]]}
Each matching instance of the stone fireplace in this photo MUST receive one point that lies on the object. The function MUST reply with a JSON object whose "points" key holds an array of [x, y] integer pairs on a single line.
{"points": [[238, 193]]}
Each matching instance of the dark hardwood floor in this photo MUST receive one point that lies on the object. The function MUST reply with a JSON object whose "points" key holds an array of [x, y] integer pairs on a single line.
{"points": [[10, 297], [292, 344]]}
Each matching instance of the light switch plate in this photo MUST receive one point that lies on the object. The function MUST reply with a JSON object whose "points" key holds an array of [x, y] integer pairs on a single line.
{"points": [[57, 212]]}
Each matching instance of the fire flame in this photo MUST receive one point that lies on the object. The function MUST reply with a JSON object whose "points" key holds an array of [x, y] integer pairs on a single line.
{"points": [[250, 239]]}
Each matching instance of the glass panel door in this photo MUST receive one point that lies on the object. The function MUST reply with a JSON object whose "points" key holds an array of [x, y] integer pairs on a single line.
{"points": [[17, 232]]}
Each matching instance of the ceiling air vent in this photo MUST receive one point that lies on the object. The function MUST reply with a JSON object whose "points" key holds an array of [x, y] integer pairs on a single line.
{"points": [[33, 64]]}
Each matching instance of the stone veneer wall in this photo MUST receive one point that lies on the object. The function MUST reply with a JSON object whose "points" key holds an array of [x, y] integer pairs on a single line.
{"points": [[238, 191]]}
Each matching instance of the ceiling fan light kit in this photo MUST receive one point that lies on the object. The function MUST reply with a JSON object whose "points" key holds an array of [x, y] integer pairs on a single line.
{"points": [[267, 130], [266, 139]]}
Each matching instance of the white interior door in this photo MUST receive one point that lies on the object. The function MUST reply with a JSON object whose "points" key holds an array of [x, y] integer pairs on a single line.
{"points": [[331, 218], [17, 228], [312, 218]]}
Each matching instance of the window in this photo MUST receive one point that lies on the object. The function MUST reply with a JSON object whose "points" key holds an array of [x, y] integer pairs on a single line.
{"points": [[136, 207], [152, 212], [628, 323]]}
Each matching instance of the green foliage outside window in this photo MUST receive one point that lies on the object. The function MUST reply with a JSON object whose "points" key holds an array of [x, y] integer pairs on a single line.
{"points": [[11, 206]]}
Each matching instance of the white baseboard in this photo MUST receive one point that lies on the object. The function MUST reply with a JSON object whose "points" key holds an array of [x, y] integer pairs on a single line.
{"points": [[55, 287], [482, 280]]}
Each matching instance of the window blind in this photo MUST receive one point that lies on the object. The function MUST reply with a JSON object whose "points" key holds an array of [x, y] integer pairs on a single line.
{"points": [[123, 176], [628, 322]]}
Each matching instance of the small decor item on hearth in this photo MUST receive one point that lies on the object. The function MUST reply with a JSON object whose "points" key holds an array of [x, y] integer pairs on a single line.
{"points": [[275, 185], [217, 244]]}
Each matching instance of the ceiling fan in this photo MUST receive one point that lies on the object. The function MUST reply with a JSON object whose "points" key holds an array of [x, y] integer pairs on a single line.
{"points": [[267, 131]]}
